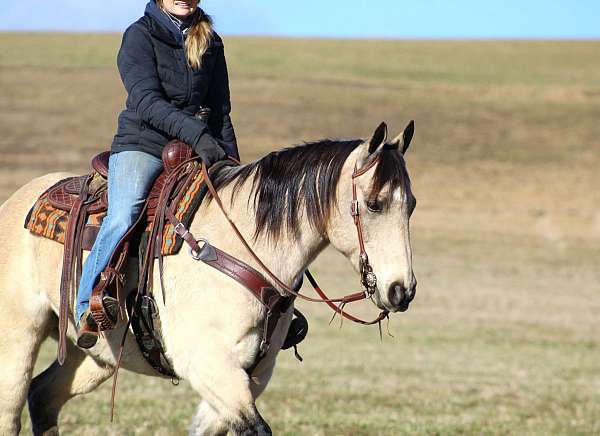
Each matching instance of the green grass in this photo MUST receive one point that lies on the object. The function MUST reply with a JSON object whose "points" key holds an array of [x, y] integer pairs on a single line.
{"points": [[476, 354], [433, 378]]}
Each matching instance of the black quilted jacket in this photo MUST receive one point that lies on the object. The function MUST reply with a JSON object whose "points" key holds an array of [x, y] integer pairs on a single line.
{"points": [[164, 93]]}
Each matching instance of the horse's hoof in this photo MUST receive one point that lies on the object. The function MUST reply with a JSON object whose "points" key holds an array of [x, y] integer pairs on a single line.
{"points": [[51, 432]]}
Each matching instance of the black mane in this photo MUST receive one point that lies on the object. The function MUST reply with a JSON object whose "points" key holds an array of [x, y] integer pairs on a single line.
{"points": [[305, 176]]}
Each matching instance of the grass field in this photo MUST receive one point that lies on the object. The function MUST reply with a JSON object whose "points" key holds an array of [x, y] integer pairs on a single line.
{"points": [[504, 334]]}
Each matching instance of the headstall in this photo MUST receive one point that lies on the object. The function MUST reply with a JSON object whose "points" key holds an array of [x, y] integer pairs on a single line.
{"points": [[275, 303], [367, 276]]}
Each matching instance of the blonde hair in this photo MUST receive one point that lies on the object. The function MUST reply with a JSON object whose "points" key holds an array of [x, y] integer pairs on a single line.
{"points": [[199, 37]]}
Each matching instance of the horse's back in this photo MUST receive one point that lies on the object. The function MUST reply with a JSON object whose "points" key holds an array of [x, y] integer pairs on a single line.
{"points": [[19, 203], [21, 263]]}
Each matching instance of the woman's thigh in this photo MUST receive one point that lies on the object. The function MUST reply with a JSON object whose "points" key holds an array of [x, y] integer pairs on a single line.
{"points": [[130, 177]]}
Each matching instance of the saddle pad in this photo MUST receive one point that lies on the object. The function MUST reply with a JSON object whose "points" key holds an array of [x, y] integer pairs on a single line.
{"points": [[50, 222], [188, 204]]}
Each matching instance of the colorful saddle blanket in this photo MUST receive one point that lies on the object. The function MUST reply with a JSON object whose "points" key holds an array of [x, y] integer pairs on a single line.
{"points": [[49, 221], [71, 213]]}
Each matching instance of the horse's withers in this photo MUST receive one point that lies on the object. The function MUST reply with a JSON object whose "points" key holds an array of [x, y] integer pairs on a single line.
{"points": [[211, 325]]}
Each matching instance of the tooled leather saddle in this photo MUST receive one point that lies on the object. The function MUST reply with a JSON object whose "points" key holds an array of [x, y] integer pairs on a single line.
{"points": [[74, 206], [86, 196]]}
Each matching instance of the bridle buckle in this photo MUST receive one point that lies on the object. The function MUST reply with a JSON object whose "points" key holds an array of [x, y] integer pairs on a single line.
{"points": [[181, 230], [354, 208]]}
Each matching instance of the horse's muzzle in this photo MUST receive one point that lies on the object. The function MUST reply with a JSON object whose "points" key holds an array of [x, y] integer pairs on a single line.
{"points": [[400, 297]]}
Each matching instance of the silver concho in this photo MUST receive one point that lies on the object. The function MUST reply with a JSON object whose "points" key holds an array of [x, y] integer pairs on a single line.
{"points": [[370, 280]]}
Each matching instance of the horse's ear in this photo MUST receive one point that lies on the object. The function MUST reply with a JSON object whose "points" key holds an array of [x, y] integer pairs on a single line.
{"points": [[402, 141], [370, 149], [379, 137]]}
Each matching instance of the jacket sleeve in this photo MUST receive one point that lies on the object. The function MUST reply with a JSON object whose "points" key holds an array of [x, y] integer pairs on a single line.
{"points": [[137, 65], [219, 101]]}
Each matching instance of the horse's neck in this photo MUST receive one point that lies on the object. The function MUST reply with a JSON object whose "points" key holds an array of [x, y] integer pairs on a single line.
{"points": [[286, 257]]}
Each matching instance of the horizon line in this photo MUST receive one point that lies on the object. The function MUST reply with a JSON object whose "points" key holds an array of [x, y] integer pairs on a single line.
{"points": [[350, 38]]}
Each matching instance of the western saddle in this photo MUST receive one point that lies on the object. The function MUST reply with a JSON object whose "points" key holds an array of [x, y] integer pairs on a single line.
{"points": [[86, 195], [78, 202]]}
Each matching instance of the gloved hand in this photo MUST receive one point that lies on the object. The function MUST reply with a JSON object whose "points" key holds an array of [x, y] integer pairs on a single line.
{"points": [[209, 150]]}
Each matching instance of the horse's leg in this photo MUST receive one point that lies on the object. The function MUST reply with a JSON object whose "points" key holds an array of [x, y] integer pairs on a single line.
{"points": [[25, 310], [55, 386], [229, 400], [208, 421], [23, 327], [226, 387]]}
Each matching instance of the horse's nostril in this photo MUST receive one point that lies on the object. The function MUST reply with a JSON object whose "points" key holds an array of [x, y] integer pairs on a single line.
{"points": [[397, 293], [411, 292]]}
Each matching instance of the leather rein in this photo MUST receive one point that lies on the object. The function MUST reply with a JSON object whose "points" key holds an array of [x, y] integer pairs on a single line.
{"points": [[275, 302], [368, 278]]}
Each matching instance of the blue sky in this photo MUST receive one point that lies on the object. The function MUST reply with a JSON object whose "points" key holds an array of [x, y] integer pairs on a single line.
{"points": [[333, 18]]}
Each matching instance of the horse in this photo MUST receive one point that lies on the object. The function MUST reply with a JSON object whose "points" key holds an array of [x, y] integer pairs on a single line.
{"points": [[295, 201]]}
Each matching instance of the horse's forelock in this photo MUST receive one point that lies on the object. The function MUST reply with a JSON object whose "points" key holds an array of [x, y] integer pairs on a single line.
{"points": [[390, 172]]}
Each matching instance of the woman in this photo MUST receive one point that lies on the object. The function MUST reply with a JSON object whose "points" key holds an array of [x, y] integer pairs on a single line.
{"points": [[173, 66]]}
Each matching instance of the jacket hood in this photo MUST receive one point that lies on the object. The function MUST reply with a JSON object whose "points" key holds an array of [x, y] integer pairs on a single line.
{"points": [[162, 26]]}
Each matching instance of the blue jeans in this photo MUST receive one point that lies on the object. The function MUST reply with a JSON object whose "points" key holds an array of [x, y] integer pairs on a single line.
{"points": [[130, 177]]}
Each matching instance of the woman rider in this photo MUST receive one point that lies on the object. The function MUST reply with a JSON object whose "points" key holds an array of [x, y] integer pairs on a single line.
{"points": [[172, 64]]}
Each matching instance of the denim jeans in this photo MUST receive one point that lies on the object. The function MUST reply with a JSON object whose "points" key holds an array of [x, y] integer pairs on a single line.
{"points": [[130, 177]]}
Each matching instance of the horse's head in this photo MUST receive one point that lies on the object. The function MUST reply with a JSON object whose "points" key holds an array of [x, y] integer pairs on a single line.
{"points": [[384, 202], [302, 197]]}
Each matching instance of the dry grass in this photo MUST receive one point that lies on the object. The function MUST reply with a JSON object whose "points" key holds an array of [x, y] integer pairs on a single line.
{"points": [[503, 335]]}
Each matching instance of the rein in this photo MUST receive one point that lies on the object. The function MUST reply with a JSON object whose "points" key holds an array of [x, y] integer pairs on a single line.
{"points": [[368, 277], [254, 281]]}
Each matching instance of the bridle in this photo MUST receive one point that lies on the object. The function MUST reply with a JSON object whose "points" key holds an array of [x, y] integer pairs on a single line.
{"points": [[368, 278]]}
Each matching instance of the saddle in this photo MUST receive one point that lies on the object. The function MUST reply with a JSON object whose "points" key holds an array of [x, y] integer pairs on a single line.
{"points": [[71, 212]]}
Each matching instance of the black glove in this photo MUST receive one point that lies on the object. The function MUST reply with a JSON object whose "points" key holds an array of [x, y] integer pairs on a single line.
{"points": [[209, 150]]}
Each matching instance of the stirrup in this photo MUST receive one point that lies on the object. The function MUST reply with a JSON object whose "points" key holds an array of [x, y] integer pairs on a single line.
{"points": [[297, 331], [104, 310], [87, 331]]}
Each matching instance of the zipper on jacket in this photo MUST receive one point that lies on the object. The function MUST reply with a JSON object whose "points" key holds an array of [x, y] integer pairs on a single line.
{"points": [[190, 75]]}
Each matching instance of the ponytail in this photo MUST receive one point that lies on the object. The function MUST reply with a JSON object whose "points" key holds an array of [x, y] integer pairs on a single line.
{"points": [[199, 37]]}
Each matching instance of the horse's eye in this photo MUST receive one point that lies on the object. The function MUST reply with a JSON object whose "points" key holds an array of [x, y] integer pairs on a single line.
{"points": [[374, 206]]}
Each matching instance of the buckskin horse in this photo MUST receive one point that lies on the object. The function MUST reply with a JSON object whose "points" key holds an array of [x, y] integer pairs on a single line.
{"points": [[296, 201]]}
